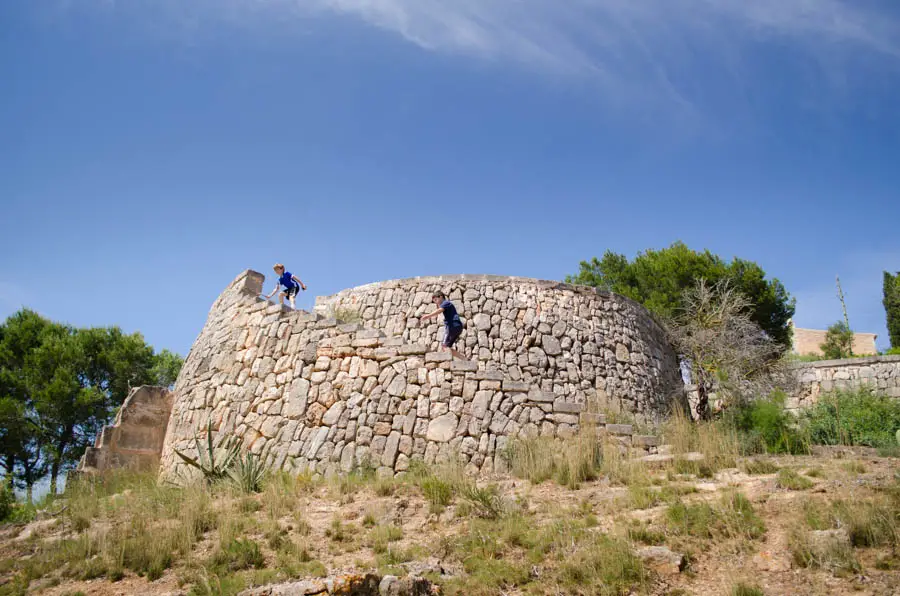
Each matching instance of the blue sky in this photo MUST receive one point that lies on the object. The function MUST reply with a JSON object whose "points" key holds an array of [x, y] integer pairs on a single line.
{"points": [[152, 150]]}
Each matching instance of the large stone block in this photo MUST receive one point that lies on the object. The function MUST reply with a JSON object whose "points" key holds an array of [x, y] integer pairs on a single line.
{"points": [[442, 428]]}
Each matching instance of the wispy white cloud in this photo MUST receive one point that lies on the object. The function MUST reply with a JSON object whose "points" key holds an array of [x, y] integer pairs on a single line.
{"points": [[686, 51]]}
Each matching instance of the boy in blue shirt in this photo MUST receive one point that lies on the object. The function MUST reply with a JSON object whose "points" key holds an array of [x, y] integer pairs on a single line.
{"points": [[453, 327], [291, 283]]}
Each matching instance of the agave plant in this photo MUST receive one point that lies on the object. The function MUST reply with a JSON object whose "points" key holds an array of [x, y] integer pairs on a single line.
{"points": [[213, 461], [248, 473]]}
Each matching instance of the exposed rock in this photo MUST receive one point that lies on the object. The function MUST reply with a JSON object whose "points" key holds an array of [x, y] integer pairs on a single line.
{"points": [[661, 559]]}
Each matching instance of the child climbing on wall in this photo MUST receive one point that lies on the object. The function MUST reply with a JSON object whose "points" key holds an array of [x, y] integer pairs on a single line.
{"points": [[291, 283], [453, 327]]}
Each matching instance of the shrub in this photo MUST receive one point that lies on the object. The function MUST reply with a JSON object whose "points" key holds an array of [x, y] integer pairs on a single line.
{"points": [[838, 341], [213, 460], [768, 427], [248, 473], [7, 503], [486, 502], [858, 417]]}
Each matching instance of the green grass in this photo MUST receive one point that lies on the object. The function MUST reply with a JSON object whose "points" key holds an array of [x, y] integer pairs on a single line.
{"points": [[757, 467], [733, 517], [791, 480], [381, 536], [237, 555], [568, 462], [742, 589]]}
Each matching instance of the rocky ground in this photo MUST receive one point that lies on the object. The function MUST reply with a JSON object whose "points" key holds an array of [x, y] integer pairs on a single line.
{"points": [[826, 523]]}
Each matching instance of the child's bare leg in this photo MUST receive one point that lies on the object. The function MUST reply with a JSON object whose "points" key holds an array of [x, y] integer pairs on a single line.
{"points": [[293, 303], [281, 298], [457, 354]]}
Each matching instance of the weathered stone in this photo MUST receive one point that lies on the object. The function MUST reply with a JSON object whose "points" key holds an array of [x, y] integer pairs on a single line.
{"points": [[619, 429], [464, 366], [442, 428], [560, 405], [551, 345], [482, 321], [662, 560], [644, 440], [515, 386], [333, 414], [538, 396], [412, 349], [488, 375], [480, 403], [438, 357]]}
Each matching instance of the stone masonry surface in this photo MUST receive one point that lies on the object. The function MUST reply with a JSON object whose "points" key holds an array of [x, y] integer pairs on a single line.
{"points": [[815, 378], [308, 393]]}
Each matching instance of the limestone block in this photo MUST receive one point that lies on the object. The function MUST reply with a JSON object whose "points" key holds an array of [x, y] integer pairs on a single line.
{"points": [[619, 429], [442, 428], [561, 405], [515, 386], [464, 366], [482, 321], [334, 413], [551, 345], [438, 357]]}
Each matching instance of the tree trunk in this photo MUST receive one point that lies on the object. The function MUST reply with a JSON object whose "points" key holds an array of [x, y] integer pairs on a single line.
{"points": [[54, 473], [29, 493]]}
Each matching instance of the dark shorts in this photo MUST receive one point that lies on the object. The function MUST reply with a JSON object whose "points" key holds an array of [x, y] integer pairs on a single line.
{"points": [[292, 291], [451, 334]]}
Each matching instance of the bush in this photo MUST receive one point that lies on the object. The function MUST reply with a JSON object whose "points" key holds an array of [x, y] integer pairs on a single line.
{"points": [[857, 417], [767, 426], [7, 503]]}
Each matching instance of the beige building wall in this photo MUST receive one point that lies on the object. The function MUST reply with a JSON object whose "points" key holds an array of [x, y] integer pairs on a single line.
{"points": [[807, 341]]}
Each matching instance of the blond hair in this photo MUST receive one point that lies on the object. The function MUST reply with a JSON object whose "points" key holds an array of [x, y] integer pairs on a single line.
{"points": [[278, 266]]}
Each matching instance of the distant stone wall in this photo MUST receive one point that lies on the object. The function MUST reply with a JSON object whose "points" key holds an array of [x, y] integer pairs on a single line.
{"points": [[305, 392], [879, 372], [135, 439]]}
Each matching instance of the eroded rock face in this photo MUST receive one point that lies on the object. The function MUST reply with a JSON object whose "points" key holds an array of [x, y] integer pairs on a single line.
{"points": [[135, 439], [307, 393]]}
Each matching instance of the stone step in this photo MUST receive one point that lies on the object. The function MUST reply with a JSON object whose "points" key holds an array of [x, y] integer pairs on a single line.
{"points": [[664, 458]]}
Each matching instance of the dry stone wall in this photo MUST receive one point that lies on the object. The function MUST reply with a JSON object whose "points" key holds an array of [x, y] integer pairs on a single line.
{"points": [[305, 392], [881, 373]]}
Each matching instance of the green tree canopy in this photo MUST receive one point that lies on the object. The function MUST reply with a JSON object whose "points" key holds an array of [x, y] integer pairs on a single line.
{"points": [[60, 385], [892, 306], [658, 280], [838, 341]]}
